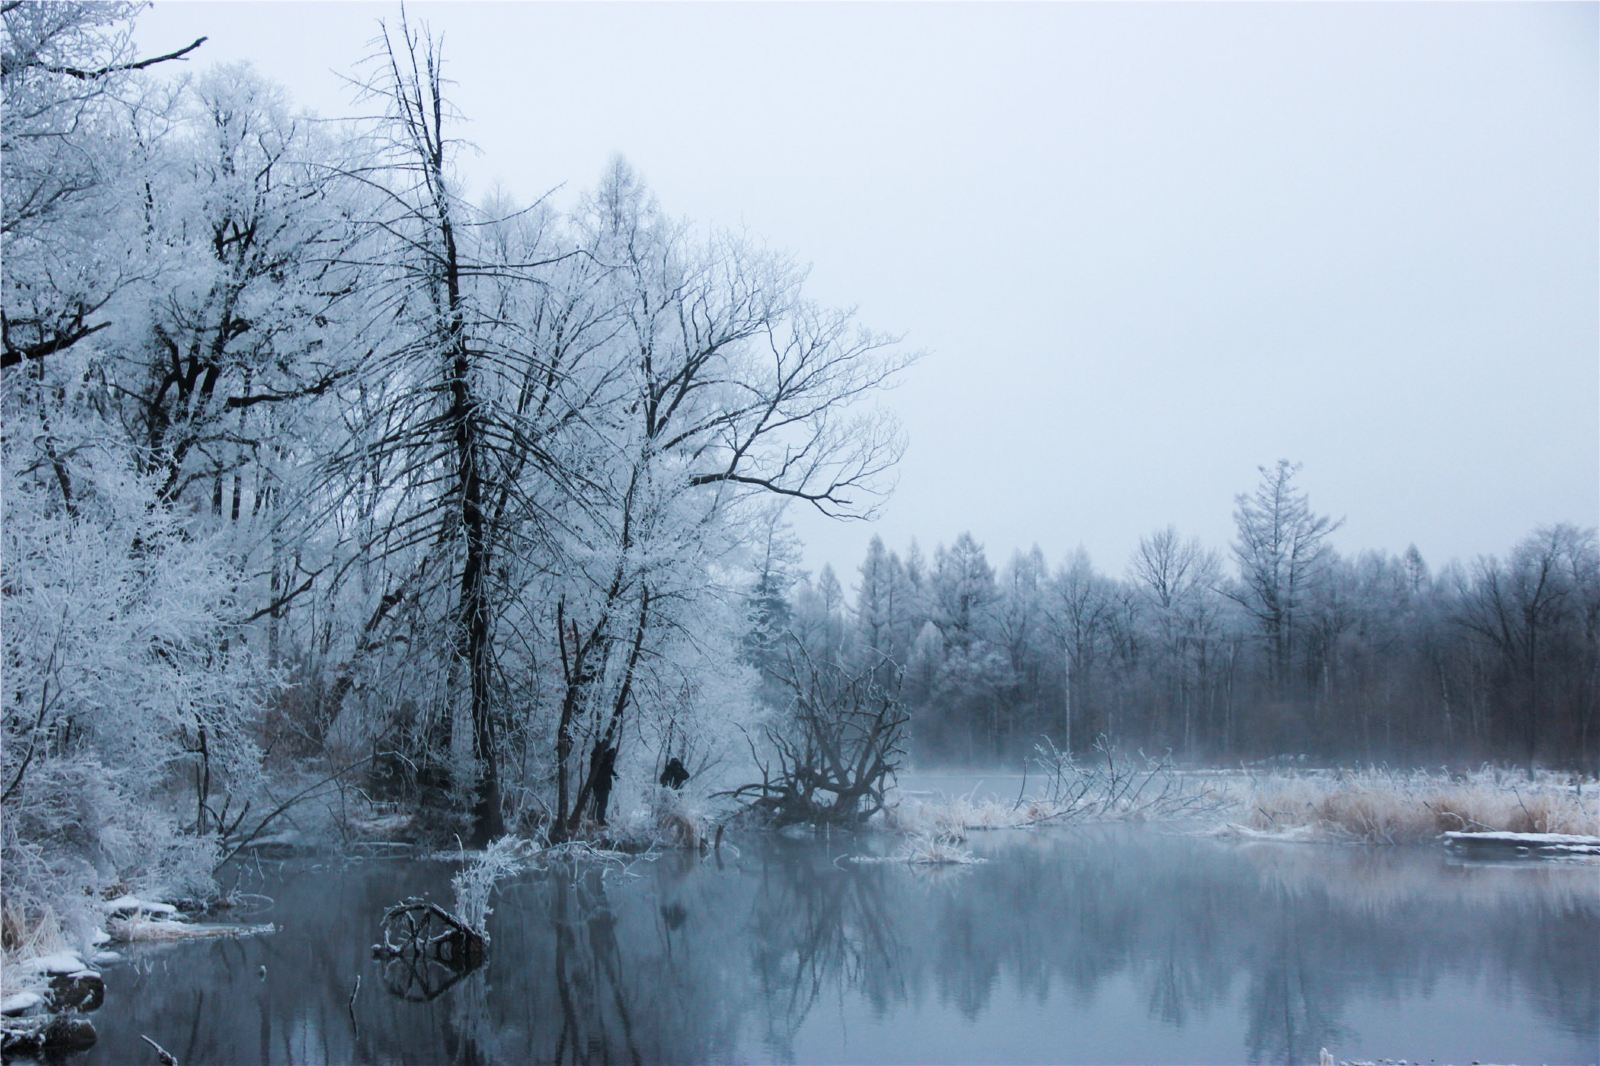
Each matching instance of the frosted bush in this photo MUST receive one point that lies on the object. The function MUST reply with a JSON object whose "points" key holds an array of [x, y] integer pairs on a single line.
{"points": [[121, 668], [475, 883]]}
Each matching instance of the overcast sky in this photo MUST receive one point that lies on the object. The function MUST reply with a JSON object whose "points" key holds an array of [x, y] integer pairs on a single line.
{"points": [[1147, 248]]}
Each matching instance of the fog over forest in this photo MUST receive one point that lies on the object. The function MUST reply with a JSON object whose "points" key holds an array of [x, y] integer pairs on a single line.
{"points": [[355, 511], [1275, 646]]}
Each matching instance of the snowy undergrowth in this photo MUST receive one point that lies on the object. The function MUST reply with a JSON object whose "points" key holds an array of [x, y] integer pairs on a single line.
{"points": [[1374, 805], [662, 818], [1104, 786], [80, 838], [1392, 807]]}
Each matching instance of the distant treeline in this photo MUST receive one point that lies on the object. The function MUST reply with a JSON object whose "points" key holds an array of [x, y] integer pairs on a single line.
{"points": [[1280, 645]]}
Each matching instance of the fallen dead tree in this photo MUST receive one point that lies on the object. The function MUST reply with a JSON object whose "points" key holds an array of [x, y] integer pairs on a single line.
{"points": [[426, 949], [832, 758], [1540, 844]]}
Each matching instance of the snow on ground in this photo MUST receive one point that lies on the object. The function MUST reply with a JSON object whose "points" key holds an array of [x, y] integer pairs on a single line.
{"points": [[1550, 844], [1373, 805], [20, 1002], [133, 905], [60, 962], [925, 815], [27, 979], [1296, 834], [381, 826]]}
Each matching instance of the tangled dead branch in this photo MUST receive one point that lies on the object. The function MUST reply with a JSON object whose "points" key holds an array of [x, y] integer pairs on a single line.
{"points": [[833, 758], [417, 928], [1105, 786], [427, 949]]}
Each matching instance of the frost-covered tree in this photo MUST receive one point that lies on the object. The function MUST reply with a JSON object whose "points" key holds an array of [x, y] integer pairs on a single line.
{"points": [[1281, 549], [731, 389], [132, 694], [775, 563], [963, 590], [1177, 584], [874, 604], [1537, 612]]}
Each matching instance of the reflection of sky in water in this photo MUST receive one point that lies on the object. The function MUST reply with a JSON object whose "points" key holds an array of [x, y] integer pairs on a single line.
{"points": [[1090, 945]]}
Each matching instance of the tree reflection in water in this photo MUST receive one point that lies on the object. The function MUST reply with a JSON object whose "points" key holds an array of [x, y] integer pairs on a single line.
{"points": [[1225, 952]]}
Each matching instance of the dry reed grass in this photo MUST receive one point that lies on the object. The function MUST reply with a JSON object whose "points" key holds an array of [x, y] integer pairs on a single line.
{"points": [[1385, 808], [27, 937]]}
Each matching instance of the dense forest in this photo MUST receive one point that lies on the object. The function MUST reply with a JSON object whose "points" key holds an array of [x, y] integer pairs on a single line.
{"points": [[1280, 646], [316, 469], [310, 461]]}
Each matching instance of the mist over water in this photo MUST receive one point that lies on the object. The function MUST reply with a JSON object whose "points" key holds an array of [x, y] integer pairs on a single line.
{"points": [[1109, 944]]}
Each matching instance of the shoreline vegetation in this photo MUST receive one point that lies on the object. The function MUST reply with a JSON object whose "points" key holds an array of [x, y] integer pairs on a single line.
{"points": [[51, 982]]}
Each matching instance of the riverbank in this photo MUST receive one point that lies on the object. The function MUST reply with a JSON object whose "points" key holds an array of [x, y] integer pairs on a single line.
{"points": [[46, 978]]}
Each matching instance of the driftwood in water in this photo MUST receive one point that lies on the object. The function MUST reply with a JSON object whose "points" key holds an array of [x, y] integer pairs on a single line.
{"points": [[1523, 843], [428, 949], [417, 928]]}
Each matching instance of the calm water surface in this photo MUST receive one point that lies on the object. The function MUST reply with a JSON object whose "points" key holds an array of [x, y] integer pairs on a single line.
{"points": [[1082, 945]]}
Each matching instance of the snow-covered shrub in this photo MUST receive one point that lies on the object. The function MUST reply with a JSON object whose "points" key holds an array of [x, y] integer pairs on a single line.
{"points": [[658, 817], [1107, 783], [475, 883], [128, 696]]}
